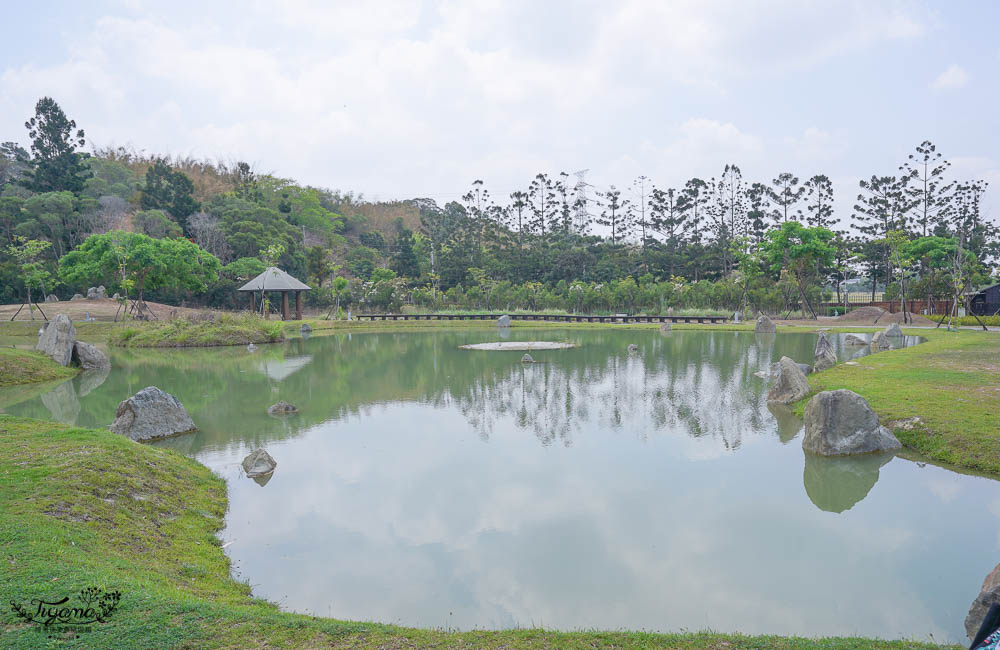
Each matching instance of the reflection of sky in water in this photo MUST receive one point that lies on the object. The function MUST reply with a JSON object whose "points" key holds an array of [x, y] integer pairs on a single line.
{"points": [[430, 486]]}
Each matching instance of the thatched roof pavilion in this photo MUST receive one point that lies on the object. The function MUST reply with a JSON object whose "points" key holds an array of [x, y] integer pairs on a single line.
{"points": [[274, 279]]}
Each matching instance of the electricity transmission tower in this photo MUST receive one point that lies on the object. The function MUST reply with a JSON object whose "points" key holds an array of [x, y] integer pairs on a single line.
{"points": [[581, 216]]}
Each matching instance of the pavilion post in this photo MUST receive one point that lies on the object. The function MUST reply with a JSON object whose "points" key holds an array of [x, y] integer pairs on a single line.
{"points": [[253, 305], [298, 305], [284, 305]]}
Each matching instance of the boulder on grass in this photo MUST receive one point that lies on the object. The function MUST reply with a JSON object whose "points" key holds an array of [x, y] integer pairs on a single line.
{"points": [[282, 408], [52, 298], [764, 325], [89, 357], [527, 358], [150, 414], [825, 357], [665, 328], [893, 330], [791, 384], [988, 595], [95, 293], [503, 321], [56, 339], [840, 422], [854, 339], [75, 297], [258, 463]]}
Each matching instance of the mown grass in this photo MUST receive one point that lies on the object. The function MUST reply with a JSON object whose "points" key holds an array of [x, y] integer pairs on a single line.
{"points": [[82, 508], [28, 367], [951, 382], [227, 329]]}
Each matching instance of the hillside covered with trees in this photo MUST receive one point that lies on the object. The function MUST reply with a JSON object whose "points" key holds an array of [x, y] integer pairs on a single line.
{"points": [[188, 231]]}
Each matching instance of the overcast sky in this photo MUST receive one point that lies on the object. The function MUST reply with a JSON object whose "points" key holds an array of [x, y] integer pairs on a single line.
{"points": [[397, 100]]}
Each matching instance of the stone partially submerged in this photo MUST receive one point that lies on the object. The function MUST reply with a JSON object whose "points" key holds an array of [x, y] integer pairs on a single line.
{"points": [[527, 358], [665, 328], [56, 339], [880, 342], [840, 422], [893, 330], [764, 325], [854, 339], [258, 463], [150, 414], [503, 321], [790, 385], [825, 357], [282, 408], [89, 357], [988, 595], [632, 347]]}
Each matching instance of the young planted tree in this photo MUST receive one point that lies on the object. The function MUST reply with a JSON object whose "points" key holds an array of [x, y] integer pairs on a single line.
{"points": [[27, 254], [55, 166], [801, 251]]}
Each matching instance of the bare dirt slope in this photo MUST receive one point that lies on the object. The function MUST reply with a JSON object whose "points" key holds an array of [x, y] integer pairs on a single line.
{"points": [[871, 316], [99, 309]]}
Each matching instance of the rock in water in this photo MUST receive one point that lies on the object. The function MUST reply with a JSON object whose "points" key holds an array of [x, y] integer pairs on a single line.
{"points": [[854, 339], [893, 330], [52, 298], [825, 357], [251, 348], [282, 408], [258, 463], [775, 370], [880, 342], [305, 328], [840, 422], [88, 357], [149, 414], [791, 384], [503, 321], [56, 339], [764, 325], [664, 328], [988, 595], [527, 358], [76, 296], [632, 347]]}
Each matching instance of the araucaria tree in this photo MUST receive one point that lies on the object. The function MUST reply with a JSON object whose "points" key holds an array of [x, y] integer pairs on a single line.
{"points": [[55, 166]]}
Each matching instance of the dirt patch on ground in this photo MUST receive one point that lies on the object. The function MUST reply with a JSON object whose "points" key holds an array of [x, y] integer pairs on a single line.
{"points": [[870, 316], [103, 309]]}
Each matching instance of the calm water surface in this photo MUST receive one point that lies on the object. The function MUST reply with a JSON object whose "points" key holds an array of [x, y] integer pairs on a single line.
{"points": [[430, 486]]}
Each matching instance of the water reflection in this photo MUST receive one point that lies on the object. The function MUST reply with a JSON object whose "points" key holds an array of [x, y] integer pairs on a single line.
{"points": [[427, 485], [838, 483]]}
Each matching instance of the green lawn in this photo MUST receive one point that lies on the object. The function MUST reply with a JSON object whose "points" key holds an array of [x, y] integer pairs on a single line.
{"points": [[82, 508], [227, 329], [951, 382], [27, 367]]}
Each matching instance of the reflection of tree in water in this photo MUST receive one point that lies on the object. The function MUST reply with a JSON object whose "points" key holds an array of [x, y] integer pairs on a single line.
{"points": [[700, 384]]}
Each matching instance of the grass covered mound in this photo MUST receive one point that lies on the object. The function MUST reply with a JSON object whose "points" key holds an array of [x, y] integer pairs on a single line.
{"points": [[27, 367], [227, 329], [951, 382], [83, 509]]}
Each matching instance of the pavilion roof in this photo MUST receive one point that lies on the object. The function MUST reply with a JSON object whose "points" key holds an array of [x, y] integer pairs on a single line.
{"points": [[274, 279]]}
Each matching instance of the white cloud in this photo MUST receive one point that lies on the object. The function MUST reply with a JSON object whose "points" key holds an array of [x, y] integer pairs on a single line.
{"points": [[954, 76]]}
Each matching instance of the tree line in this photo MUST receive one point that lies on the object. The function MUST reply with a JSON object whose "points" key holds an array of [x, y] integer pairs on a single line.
{"points": [[70, 218]]}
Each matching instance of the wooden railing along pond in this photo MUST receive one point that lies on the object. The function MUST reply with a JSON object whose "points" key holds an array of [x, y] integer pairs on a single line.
{"points": [[566, 318]]}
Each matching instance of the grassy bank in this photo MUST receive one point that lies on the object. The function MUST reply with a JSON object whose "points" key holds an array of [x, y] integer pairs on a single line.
{"points": [[226, 329], [82, 508], [28, 367], [951, 382]]}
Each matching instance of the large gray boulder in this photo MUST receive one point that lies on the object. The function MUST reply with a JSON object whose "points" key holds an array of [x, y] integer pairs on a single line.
{"points": [[503, 321], [840, 422], [95, 293], [76, 297], [56, 339], [527, 358], [258, 463], [89, 357], [790, 385], [52, 298], [149, 414], [764, 325], [893, 330], [988, 595], [306, 329], [774, 371], [825, 357], [880, 342], [854, 339]]}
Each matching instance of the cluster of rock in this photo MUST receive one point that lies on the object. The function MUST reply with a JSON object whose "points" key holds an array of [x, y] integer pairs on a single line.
{"points": [[150, 414], [97, 293], [57, 340]]}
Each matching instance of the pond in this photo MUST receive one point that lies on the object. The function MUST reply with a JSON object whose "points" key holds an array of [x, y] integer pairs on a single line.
{"points": [[426, 485]]}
